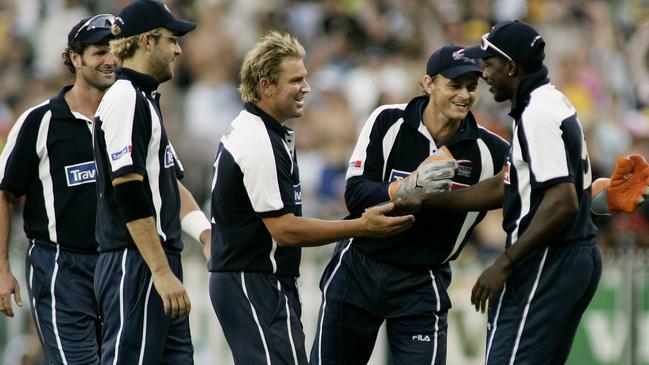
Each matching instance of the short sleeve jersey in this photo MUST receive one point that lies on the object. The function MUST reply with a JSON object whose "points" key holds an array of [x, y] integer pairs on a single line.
{"points": [[48, 159], [391, 145], [256, 176], [130, 137], [548, 148]]}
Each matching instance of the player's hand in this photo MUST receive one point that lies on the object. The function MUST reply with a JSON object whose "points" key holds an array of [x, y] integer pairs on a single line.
{"points": [[433, 175], [629, 184], [490, 283], [377, 224], [174, 296], [9, 286], [407, 204], [206, 240]]}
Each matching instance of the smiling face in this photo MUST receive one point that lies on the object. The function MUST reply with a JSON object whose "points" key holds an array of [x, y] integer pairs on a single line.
{"points": [[284, 99], [96, 66], [452, 99], [496, 73]]}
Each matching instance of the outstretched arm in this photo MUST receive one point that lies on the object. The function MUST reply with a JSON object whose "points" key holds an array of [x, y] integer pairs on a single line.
{"points": [[626, 190], [292, 231]]}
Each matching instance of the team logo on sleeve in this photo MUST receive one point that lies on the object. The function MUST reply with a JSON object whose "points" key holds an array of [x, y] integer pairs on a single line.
{"points": [[356, 164], [169, 156], [297, 190], [81, 173], [121, 153]]}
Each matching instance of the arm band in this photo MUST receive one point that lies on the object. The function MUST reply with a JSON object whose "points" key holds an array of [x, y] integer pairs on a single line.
{"points": [[133, 201], [194, 223]]}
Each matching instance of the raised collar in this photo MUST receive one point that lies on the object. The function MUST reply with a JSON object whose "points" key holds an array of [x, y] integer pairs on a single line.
{"points": [[269, 121], [142, 81], [413, 118], [528, 84], [58, 105]]}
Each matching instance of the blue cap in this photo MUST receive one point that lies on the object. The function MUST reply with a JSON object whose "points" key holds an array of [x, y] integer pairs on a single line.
{"points": [[92, 30], [143, 15], [516, 39], [451, 62]]}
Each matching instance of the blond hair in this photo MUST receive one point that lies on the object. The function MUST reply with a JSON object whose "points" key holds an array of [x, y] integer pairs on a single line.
{"points": [[263, 61], [123, 48]]}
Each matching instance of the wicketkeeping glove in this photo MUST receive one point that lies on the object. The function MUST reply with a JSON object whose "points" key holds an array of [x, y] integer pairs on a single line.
{"points": [[433, 175], [626, 190]]}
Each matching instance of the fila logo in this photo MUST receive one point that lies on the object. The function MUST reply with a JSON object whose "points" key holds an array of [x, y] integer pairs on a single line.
{"points": [[297, 190], [422, 338], [81, 173], [169, 157]]}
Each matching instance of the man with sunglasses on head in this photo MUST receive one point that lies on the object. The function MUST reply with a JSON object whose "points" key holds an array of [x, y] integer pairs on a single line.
{"points": [[406, 149], [48, 159], [539, 287], [142, 206]]}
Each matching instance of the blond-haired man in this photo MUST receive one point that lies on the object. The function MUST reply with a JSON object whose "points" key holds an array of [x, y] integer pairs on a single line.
{"points": [[142, 301], [258, 226]]}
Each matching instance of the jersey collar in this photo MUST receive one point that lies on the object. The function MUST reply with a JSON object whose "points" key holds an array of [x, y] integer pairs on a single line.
{"points": [[60, 108], [528, 84], [143, 81], [269, 121]]}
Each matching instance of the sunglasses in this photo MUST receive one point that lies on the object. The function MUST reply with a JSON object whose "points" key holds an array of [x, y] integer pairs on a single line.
{"points": [[485, 44], [101, 21]]}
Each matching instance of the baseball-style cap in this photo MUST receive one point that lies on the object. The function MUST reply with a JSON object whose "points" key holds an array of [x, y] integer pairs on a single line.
{"points": [[92, 30], [514, 40], [451, 62], [144, 15]]}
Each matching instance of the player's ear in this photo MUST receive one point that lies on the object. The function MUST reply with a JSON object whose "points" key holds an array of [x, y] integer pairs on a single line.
{"points": [[265, 87], [76, 59], [513, 69], [428, 84]]}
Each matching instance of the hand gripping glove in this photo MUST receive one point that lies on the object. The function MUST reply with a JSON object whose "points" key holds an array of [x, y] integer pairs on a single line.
{"points": [[627, 188], [433, 175]]}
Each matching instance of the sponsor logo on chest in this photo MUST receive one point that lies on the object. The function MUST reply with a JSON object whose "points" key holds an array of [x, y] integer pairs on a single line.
{"points": [[398, 175], [81, 173]]}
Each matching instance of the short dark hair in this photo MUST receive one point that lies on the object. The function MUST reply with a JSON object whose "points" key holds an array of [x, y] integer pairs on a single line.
{"points": [[76, 47]]}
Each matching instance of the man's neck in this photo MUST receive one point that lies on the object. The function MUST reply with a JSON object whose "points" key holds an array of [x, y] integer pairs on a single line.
{"points": [[439, 126], [84, 99]]}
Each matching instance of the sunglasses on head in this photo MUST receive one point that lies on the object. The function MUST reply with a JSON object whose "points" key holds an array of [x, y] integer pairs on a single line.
{"points": [[101, 21], [485, 44]]}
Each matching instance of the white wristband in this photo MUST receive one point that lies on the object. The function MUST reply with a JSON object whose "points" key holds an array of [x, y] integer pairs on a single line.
{"points": [[194, 223]]}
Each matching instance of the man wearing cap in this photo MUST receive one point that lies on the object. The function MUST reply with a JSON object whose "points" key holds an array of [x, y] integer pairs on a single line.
{"points": [[48, 159], [541, 284], [405, 149], [138, 282]]}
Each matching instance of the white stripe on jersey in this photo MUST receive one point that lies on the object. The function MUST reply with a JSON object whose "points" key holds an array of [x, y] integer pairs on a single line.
{"points": [[542, 119], [119, 104], [388, 142], [486, 172], [271, 255], [153, 167], [45, 175], [524, 180], [495, 324], [249, 144], [439, 305], [360, 151], [13, 136]]}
